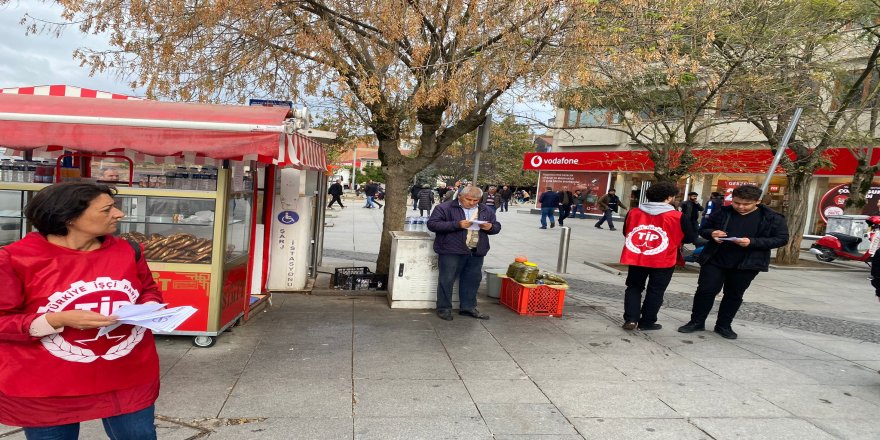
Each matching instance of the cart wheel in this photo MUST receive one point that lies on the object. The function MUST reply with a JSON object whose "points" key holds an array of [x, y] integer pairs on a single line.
{"points": [[204, 341]]}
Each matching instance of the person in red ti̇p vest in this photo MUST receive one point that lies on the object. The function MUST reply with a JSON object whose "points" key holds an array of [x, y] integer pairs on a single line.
{"points": [[654, 233], [60, 286]]}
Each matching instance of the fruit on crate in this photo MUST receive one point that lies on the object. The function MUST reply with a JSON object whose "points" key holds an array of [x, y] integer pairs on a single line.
{"points": [[551, 278]]}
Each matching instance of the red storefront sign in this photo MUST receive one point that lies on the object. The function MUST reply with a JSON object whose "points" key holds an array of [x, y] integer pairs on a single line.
{"points": [[730, 161]]}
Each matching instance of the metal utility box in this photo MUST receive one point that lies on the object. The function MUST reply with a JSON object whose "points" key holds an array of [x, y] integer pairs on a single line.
{"points": [[412, 283]]}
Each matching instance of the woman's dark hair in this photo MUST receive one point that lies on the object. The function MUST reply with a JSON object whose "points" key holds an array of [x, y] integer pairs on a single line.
{"points": [[661, 191], [55, 205]]}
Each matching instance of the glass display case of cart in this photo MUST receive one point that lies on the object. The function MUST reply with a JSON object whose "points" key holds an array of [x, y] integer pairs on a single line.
{"points": [[11, 220], [171, 229]]}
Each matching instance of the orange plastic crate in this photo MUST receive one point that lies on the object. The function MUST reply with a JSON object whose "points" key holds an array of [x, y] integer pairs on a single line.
{"points": [[532, 299]]}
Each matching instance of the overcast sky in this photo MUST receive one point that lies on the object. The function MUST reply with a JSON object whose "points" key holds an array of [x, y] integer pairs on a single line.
{"points": [[36, 60], [42, 59]]}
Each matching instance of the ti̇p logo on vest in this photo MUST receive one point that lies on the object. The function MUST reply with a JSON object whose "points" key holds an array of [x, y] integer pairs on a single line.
{"points": [[647, 240]]}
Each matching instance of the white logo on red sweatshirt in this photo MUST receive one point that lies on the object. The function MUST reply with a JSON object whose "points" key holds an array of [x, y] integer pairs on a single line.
{"points": [[103, 295]]}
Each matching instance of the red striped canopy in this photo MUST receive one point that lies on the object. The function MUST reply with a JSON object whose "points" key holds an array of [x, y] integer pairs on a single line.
{"points": [[53, 118]]}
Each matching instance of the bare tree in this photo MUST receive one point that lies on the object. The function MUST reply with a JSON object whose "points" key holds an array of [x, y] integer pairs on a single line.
{"points": [[409, 67], [823, 44]]}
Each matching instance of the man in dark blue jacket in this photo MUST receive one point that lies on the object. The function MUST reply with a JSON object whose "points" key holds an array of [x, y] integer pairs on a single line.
{"points": [[740, 239], [463, 227], [549, 201]]}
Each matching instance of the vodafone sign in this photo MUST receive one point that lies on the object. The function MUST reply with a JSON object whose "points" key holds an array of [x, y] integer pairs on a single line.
{"points": [[551, 161]]}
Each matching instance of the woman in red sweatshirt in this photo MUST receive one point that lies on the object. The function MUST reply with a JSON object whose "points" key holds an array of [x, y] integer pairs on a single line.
{"points": [[60, 286]]}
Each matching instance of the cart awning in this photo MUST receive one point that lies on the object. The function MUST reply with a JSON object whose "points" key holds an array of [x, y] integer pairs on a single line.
{"points": [[37, 118]]}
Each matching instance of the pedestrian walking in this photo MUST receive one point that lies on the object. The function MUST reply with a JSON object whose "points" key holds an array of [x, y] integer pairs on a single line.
{"points": [[654, 233], [609, 204], [875, 258], [414, 195], [371, 190], [566, 199], [58, 287], [506, 194], [491, 198], [549, 201], [740, 239], [461, 244], [426, 200], [452, 194], [691, 209], [580, 200], [716, 201], [335, 192]]}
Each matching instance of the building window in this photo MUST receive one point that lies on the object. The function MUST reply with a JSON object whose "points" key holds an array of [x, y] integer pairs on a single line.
{"points": [[595, 117]]}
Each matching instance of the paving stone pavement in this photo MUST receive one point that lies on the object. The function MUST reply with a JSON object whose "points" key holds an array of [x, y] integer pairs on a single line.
{"points": [[349, 367]]}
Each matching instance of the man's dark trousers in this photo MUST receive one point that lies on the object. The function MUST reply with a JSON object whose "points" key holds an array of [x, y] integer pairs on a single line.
{"points": [[504, 203], [336, 199], [564, 212], [468, 270], [606, 217], [712, 279], [658, 280]]}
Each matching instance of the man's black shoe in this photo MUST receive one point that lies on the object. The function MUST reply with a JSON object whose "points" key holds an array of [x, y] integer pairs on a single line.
{"points": [[654, 326], [691, 327], [445, 315], [543, 227], [612, 229], [725, 332], [473, 314], [552, 225], [560, 223], [598, 227]]}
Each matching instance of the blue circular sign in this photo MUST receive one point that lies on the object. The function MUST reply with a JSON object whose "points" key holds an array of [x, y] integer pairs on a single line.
{"points": [[288, 217]]}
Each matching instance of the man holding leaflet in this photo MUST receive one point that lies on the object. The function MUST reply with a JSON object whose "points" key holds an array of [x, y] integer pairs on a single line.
{"points": [[740, 238], [463, 226]]}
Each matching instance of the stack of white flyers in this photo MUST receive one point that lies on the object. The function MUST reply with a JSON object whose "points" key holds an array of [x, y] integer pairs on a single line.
{"points": [[151, 316]]}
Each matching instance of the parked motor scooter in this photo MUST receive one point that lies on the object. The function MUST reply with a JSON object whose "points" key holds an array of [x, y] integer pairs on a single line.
{"points": [[836, 245]]}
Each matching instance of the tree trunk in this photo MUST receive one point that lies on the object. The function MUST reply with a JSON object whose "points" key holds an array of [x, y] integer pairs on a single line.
{"points": [[795, 218], [861, 183], [398, 180]]}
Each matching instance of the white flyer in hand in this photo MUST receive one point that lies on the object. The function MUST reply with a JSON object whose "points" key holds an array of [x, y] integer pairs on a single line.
{"points": [[475, 225], [729, 238], [151, 316]]}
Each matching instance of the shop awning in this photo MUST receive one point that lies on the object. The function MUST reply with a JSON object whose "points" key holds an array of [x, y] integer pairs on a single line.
{"points": [[38, 118]]}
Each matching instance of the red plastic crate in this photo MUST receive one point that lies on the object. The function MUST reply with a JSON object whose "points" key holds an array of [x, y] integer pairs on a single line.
{"points": [[532, 299]]}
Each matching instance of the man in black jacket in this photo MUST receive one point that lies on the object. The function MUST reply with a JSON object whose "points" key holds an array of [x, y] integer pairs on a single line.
{"points": [[506, 194], [566, 199], [335, 191], [691, 209], [740, 238]]}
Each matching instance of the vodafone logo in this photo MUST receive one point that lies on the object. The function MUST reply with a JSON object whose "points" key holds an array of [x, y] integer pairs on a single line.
{"points": [[537, 160]]}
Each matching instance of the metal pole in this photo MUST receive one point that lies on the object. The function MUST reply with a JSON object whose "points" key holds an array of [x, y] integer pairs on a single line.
{"points": [[321, 198], [781, 150], [562, 259], [476, 166], [354, 158]]}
